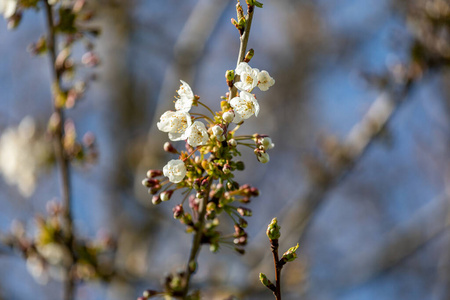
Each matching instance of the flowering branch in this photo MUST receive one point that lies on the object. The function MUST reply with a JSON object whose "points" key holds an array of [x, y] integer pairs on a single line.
{"points": [[63, 161], [208, 165]]}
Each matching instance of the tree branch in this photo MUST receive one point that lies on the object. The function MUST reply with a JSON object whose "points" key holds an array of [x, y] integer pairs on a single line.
{"points": [[62, 160]]}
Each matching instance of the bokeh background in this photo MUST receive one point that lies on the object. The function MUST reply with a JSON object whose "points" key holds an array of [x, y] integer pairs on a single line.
{"points": [[377, 231]]}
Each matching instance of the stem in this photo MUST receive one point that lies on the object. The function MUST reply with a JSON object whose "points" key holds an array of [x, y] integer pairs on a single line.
{"points": [[276, 262], [196, 241], [205, 106], [61, 158], [243, 47]]}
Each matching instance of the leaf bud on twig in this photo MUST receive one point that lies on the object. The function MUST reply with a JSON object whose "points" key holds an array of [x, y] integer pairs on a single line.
{"points": [[273, 230]]}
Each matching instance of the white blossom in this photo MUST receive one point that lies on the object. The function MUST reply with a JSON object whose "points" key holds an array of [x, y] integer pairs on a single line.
{"points": [[184, 103], [218, 133], [263, 157], [55, 254], [217, 130], [248, 76], [52, 2], [22, 154], [267, 143], [197, 134], [244, 106], [264, 80], [8, 8], [175, 170], [36, 268], [175, 123], [228, 116]]}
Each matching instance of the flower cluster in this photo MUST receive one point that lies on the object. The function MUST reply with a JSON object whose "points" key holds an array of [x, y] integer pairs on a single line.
{"points": [[205, 171]]}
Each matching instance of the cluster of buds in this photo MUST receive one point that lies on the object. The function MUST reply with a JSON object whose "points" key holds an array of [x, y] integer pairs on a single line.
{"points": [[51, 251]]}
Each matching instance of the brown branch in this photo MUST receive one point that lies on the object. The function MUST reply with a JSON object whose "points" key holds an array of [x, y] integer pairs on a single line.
{"points": [[243, 47], [278, 267], [196, 241], [62, 160]]}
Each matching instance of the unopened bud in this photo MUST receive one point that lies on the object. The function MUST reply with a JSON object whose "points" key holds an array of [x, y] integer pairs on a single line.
{"points": [[154, 173], [245, 212], [217, 130], [290, 255], [262, 156], [232, 143], [166, 195], [214, 247], [178, 211], [254, 192], [148, 182], [239, 250], [229, 75], [149, 293], [273, 230], [197, 183], [155, 189], [226, 169], [243, 223], [266, 143], [156, 200], [249, 55], [168, 147], [266, 282], [239, 11]]}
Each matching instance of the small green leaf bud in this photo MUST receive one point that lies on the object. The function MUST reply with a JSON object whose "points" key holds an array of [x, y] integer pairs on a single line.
{"points": [[254, 3], [249, 55], [239, 11], [266, 282], [192, 266], [229, 75], [273, 230], [290, 255]]}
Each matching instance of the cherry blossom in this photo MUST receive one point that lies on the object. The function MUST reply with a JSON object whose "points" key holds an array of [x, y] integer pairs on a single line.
{"points": [[175, 123], [248, 77], [197, 134], [175, 170], [244, 106]]}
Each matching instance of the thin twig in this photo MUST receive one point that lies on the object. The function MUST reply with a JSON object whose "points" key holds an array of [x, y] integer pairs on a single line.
{"points": [[196, 241], [243, 47], [62, 160], [276, 262]]}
